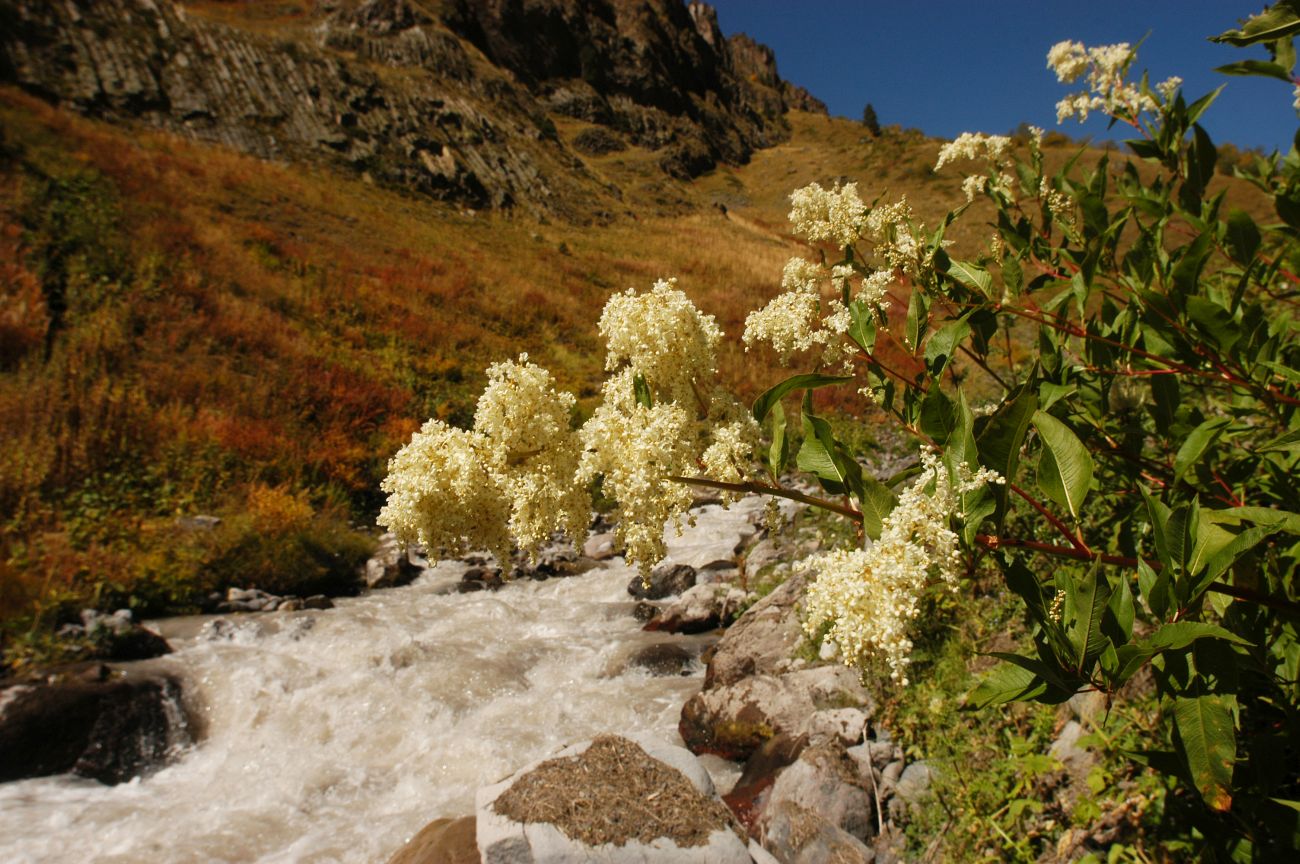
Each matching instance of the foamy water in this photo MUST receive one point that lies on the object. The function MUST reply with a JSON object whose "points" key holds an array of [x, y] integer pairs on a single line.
{"points": [[336, 735]]}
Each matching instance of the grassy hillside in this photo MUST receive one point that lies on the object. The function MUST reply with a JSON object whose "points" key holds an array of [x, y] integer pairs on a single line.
{"points": [[185, 330]]}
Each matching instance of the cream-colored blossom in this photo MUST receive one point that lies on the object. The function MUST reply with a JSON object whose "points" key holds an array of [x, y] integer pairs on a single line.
{"points": [[1168, 87], [442, 493], [875, 286], [974, 185], [662, 337], [821, 214], [870, 597], [1106, 67], [800, 274], [973, 145], [526, 421]]}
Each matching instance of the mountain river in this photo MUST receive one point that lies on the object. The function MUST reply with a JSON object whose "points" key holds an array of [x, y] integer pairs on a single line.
{"points": [[334, 736]]}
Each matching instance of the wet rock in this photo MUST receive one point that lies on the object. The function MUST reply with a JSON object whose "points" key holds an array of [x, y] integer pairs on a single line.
{"points": [[108, 730], [762, 639], [665, 581], [599, 547], [442, 841], [673, 798], [644, 610], [480, 578], [825, 780], [663, 658], [734, 720], [749, 794], [797, 835], [391, 565], [317, 601], [698, 609]]}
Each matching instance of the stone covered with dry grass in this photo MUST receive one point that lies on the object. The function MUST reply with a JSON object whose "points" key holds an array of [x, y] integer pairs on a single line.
{"points": [[614, 792]]}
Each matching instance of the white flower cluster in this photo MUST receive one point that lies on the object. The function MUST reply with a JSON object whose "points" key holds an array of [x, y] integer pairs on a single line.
{"points": [[522, 473], [1106, 67], [827, 214], [509, 479], [870, 597], [973, 145]]}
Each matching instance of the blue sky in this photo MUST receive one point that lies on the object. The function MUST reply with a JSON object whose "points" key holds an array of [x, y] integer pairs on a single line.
{"points": [[948, 67]]}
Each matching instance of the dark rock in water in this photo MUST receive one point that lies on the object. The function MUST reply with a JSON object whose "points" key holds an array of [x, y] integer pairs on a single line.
{"points": [[317, 601], [470, 586], [698, 609], [109, 730], [482, 577], [644, 610], [442, 841], [665, 581], [663, 658]]}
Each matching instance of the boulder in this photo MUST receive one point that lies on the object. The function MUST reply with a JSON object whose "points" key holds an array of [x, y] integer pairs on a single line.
{"points": [[797, 835], [749, 794], [665, 581], [106, 727], [662, 658], [824, 780], [599, 547], [733, 720], [762, 640], [442, 841], [611, 800], [912, 787], [699, 608], [391, 565]]}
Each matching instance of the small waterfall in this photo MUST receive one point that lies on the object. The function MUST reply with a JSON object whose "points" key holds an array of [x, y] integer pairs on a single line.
{"points": [[335, 735]]}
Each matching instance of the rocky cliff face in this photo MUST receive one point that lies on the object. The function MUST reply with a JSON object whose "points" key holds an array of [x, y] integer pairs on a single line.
{"points": [[447, 98]]}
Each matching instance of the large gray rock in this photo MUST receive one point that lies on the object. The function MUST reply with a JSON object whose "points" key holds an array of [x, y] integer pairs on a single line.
{"points": [[711, 839], [762, 640], [699, 608], [825, 780], [666, 580], [733, 720], [798, 835]]}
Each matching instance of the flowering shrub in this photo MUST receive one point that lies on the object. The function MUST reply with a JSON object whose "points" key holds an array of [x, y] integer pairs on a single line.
{"points": [[1133, 481]]}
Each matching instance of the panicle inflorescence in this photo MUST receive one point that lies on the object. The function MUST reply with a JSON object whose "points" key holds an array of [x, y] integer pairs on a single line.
{"points": [[870, 596], [1106, 67]]}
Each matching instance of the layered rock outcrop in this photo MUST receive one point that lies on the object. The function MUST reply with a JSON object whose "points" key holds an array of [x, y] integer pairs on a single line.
{"points": [[448, 100]]}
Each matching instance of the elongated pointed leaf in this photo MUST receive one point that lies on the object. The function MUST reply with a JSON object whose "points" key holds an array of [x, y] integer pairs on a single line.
{"points": [[1180, 634], [818, 457], [763, 404], [1005, 683], [1198, 441], [876, 502], [972, 275], [1002, 438], [1287, 443], [1254, 67], [1065, 467], [1209, 746], [779, 451], [943, 344], [1085, 604], [1276, 22]]}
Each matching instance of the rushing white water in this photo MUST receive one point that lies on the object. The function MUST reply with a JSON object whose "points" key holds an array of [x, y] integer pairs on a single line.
{"points": [[336, 735]]}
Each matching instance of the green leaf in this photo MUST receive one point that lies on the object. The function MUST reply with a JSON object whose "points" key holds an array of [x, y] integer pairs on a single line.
{"points": [[1209, 745], [1243, 236], [1255, 67], [1158, 513], [1128, 660], [1001, 440], [1281, 520], [1180, 634], [641, 390], [1225, 557], [1276, 22], [1005, 683], [779, 451], [876, 502], [1085, 603], [1188, 269], [1065, 466], [1121, 612], [817, 453], [918, 313], [972, 275], [763, 404], [941, 346], [1050, 393], [938, 415], [862, 326], [1192, 449], [1287, 443]]}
